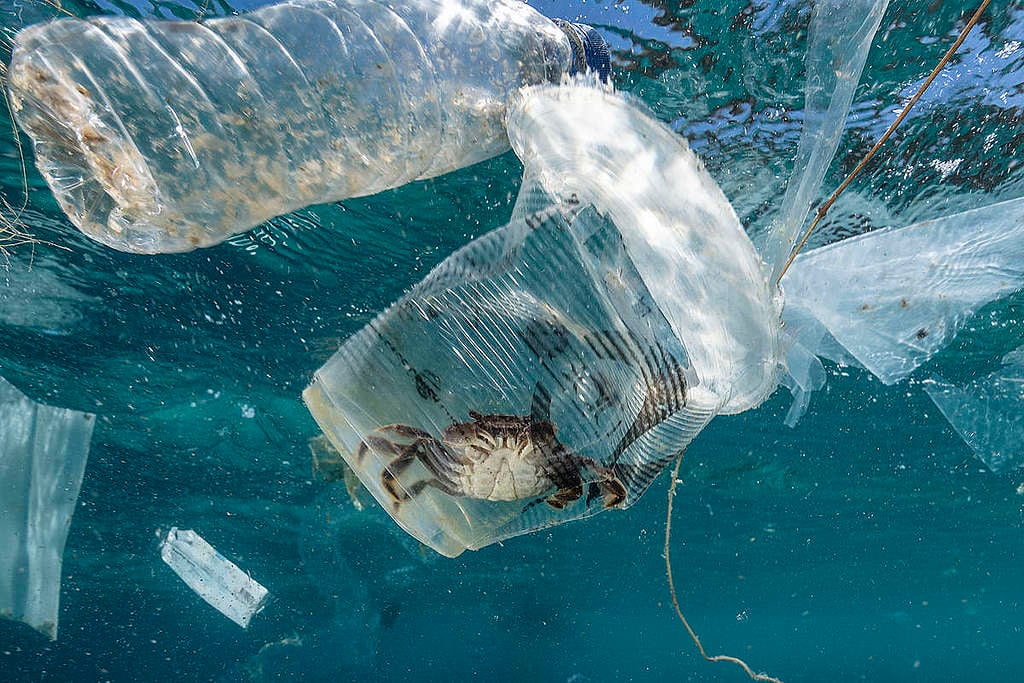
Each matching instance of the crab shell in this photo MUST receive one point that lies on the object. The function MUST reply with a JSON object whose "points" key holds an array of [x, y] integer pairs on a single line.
{"points": [[506, 457]]}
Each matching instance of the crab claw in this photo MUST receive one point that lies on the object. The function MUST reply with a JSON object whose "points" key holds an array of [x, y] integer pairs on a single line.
{"points": [[559, 499], [613, 493], [609, 486]]}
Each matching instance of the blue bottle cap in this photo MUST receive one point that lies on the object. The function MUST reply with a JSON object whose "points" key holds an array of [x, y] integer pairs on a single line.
{"points": [[589, 49]]}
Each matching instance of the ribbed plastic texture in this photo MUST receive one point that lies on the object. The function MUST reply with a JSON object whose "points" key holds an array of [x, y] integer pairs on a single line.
{"points": [[550, 369], [163, 136]]}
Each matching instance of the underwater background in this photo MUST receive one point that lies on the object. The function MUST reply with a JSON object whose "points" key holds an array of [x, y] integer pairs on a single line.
{"points": [[865, 543]]}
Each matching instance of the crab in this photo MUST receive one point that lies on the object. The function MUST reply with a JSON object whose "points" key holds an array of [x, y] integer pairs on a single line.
{"points": [[492, 457]]}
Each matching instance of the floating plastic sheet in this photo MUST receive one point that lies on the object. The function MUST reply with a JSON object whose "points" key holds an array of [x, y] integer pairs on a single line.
{"points": [[892, 298], [213, 577], [551, 368], [840, 38], [42, 460], [988, 413]]}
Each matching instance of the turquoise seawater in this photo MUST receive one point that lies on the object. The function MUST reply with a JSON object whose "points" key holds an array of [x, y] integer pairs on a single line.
{"points": [[866, 543]]}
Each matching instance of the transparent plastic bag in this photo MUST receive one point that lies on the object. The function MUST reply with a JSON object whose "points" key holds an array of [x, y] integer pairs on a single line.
{"points": [[550, 369], [43, 451], [159, 136]]}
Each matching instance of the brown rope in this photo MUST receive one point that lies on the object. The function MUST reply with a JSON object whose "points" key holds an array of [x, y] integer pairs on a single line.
{"points": [[823, 209], [675, 601]]}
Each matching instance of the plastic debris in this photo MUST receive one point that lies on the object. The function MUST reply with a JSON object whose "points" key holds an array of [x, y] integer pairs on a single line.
{"points": [[988, 413], [551, 368], [892, 298], [43, 451], [159, 136], [213, 577], [840, 37]]}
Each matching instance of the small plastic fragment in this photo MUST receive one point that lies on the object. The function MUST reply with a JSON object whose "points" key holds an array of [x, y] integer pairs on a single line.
{"points": [[212, 576], [43, 451], [988, 413]]}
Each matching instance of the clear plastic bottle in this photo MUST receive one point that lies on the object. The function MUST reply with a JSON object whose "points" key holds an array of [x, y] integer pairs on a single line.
{"points": [[163, 136]]}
